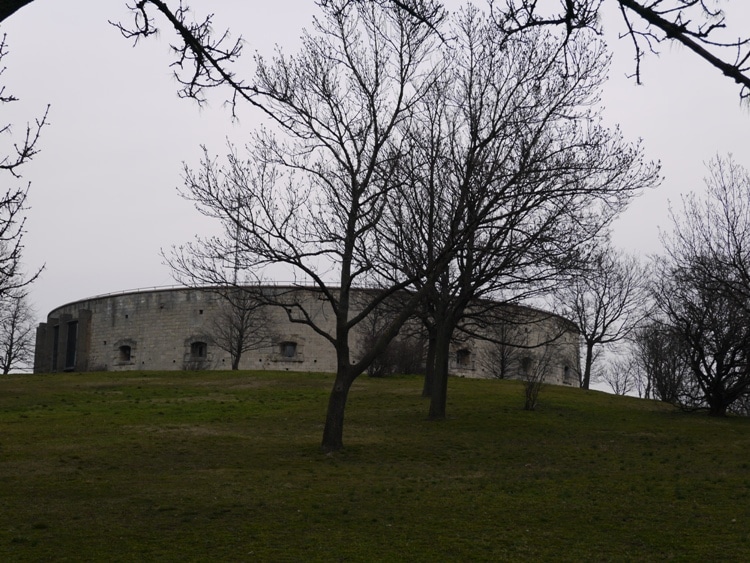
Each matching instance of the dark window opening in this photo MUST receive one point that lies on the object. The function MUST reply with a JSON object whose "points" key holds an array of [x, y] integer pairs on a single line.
{"points": [[198, 350], [567, 377], [463, 357], [288, 349], [55, 346], [125, 353], [70, 345]]}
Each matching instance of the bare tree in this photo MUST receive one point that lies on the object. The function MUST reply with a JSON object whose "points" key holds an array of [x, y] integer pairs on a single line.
{"points": [[365, 156], [311, 193], [241, 323], [660, 353], [17, 332], [702, 290], [621, 374], [520, 343], [507, 152], [533, 373], [507, 349], [714, 327], [608, 299], [16, 315]]}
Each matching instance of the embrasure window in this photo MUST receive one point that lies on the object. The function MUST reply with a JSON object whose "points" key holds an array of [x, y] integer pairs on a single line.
{"points": [[125, 353], [463, 357], [288, 349], [198, 350]]}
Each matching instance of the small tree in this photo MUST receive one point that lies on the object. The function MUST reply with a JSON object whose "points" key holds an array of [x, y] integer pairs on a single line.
{"points": [[621, 374], [17, 332], [512, 333], [660, 354], [608, 299], [505, 350], [241, 323], [533, 372]]}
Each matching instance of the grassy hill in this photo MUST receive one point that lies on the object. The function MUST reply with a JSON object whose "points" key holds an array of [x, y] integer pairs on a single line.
{"points": [[224, 466]]}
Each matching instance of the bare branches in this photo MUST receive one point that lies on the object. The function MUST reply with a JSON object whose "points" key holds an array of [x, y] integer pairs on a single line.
{"points": [[24, 151], [27, 148], [607, 299], [693, 23], [17, 332], [310, 194], [702, 289], [203, 59], [512, 16], [242, 321], [507, 168], [13, 202]]}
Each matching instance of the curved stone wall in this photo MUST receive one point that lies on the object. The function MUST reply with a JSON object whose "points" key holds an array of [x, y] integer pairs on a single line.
{"points": [[173, 329]]}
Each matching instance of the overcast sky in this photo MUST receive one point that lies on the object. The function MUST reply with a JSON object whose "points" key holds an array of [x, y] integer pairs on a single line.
{"points": [[104, 195]]}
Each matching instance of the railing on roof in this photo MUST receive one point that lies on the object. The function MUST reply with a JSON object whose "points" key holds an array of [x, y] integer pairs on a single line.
{"points": [[274, 283]]}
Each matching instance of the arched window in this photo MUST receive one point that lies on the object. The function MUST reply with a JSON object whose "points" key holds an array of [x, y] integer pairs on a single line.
{"points": [[124, 352], [198, 350]]}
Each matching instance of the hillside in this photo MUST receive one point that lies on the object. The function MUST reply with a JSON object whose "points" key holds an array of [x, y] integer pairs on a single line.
{"points": [[225, 466]]}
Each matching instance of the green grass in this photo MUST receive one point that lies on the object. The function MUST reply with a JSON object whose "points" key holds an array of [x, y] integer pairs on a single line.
{"points": [[225, 466]]}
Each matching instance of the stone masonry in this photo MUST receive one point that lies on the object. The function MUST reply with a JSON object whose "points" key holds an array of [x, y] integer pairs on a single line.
{"points": [[171, 329]]}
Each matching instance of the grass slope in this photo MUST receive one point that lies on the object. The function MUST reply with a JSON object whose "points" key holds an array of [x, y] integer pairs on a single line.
{"points": [[225, 466]]}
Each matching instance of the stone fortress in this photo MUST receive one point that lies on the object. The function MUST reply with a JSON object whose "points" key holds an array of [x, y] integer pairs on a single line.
{"points": [[172, 329]]}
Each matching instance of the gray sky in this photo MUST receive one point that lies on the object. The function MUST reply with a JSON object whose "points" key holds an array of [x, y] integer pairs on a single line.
{"points": [[104, 188]]}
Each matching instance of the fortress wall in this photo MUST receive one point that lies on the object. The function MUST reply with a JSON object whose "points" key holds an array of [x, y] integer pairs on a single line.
{"points": [[533, 342], [159, 327], [171, 329]]}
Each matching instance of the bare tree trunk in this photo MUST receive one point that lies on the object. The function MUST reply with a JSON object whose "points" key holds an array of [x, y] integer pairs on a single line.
{"points": [[237, 342], [429, 373], [586, 380], [719, 398], [439, 395], [333, 432]]}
